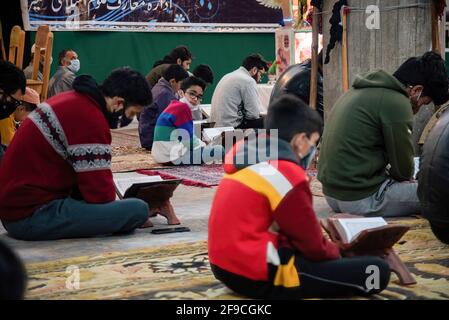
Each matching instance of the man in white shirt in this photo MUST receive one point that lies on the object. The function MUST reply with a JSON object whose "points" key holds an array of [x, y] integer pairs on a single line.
{"points": [[235, 102]]}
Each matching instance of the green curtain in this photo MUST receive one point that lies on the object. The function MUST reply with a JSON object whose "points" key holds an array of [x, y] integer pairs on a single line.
{"points": [[101, 52]]}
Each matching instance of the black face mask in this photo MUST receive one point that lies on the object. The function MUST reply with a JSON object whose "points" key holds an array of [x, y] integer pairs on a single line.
{"points": [[7, 107], [113, 118]]}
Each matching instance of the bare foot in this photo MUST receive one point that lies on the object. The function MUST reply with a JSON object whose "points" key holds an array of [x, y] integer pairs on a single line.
{"points": [[147, 224]]}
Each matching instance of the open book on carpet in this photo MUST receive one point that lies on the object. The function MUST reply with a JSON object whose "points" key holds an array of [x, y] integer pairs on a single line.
{"points": [[358, 236]]}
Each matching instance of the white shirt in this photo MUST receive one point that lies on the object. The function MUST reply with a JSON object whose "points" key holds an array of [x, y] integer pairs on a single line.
{"points": [[234, 99]]}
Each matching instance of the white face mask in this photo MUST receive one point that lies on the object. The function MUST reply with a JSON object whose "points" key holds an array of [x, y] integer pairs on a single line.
{"points": [[74, 66], [191, 106]]}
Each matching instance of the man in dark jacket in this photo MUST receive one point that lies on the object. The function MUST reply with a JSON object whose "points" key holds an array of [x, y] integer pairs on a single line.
{"points": [[366, 161], [296, 80], [163, 93]]}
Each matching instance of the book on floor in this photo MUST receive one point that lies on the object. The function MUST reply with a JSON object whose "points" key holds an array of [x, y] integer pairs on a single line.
{"points": [[368, 236]]}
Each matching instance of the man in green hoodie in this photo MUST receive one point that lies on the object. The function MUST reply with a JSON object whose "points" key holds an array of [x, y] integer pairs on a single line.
{"points": [[366, 161]]}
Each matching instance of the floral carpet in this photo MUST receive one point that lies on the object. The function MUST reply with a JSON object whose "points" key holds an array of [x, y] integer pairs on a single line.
{"points": [[197, 176], [183, 272]]}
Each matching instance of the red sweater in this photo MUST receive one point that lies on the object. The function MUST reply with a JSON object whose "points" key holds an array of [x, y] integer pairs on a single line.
{"points": [[64, 144], [259, 209]]}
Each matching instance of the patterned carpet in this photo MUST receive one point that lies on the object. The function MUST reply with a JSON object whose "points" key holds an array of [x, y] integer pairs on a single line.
{"points": [[182, 272], [127, 155]]}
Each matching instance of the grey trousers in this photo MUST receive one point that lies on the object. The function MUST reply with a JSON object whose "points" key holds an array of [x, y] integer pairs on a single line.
{"points": [[393, 199]]}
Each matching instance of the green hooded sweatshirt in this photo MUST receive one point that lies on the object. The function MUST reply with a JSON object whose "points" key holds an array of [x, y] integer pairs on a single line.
{"points": [[369, 128]]}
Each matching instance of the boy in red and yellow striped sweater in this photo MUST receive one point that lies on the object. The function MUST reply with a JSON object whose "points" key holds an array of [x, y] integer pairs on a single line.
{"points": [[264, 238]]}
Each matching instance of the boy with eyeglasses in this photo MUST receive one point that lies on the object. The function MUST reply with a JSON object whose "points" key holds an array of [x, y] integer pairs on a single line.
{"points": [[164, 92], [174, 140], [8, 126], [12, 87]]}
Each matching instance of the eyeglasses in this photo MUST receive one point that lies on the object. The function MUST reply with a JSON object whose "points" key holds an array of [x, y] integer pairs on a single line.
{"points": [[194, 95], [16, 102]]}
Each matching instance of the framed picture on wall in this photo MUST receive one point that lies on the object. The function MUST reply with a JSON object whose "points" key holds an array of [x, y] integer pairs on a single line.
{"points": [[303, 45]]}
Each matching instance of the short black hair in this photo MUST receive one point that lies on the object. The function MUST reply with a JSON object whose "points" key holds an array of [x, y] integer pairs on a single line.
{"points": [[204, 72], [175, 71], [192, 81], [180, 52], [290, 116], [13, 276], [255, 60], [11, 78], [128, 84], [62, 54], [429, 70]]}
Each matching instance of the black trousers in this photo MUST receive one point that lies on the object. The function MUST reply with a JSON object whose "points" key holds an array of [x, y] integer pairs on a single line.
{"points": [[328, 279], [252, 124]]}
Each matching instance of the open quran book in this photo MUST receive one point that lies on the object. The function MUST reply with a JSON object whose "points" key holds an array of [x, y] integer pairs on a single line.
{"points": [[368, 236], [152, 189]]}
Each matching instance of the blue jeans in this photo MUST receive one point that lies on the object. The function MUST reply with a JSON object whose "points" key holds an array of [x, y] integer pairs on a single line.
{"points": [[70, 218]]}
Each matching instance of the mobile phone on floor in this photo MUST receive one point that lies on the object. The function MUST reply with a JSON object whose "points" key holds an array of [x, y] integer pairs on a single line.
{"points": [[170, 230]]}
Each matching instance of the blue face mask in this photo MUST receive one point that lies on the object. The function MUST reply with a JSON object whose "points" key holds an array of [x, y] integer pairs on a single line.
{"points": [[307, 160]]}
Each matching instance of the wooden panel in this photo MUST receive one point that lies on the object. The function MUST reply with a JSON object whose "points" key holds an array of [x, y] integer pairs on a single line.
{"points": [[403, 33]]}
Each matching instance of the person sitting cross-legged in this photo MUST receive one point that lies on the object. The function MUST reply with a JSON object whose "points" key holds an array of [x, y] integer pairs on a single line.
{"points": [[56, 174], [264, 238], [174, 139], [366, 160]]}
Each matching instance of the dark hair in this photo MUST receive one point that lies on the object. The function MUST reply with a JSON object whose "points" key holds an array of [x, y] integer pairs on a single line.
{"points": [[180, 52], [129, 85], [429, 71], [13, 276], [62, 55], [255, 60], [192, 81], [204, 72], [175, 71], [29, 107], [11, 78], [290, 115]]}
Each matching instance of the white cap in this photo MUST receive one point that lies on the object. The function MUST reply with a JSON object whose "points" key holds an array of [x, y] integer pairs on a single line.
{"points": [[33, 49]]}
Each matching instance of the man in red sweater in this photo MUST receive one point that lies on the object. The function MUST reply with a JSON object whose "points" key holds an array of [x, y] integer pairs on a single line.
{"points": [[55, 176], [264, 238]]}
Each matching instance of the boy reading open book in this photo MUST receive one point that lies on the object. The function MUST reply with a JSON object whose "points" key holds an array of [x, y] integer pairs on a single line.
{"points": [[155, 191]]}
